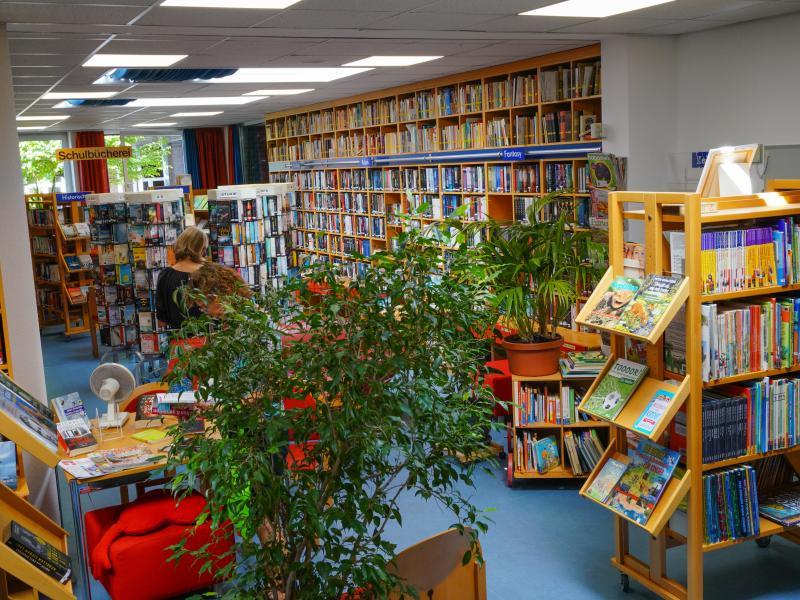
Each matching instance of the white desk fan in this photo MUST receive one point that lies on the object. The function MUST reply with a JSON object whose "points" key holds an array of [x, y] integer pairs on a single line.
{"points": [[113, 383]]}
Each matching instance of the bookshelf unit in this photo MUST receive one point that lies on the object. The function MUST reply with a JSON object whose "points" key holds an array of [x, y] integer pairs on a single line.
{"points": [[553, 386], [663, 212], [70, 245], [476, 138], [44, 256]]}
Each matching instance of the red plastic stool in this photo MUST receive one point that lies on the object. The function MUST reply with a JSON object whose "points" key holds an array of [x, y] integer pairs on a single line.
{"points": [[500, 384], [128, 547]]}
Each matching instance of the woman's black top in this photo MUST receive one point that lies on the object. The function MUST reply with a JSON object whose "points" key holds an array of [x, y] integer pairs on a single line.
{"points": [[169, 311]]}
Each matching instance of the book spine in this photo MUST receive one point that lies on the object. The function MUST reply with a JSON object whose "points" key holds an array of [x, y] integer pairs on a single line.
{"points": [[54, 570]]}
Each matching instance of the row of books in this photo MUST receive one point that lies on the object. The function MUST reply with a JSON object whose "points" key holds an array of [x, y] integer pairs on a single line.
{"points": [[744, 259], [40, 217], [353, 246], [731, 510], [49, 300], [583, 449], [550, 212], [536, 403], [534, 455], [564, 83], [80, 262], [749, 337], [43, 245], [47, 272], [582, 364], [75, 230]]}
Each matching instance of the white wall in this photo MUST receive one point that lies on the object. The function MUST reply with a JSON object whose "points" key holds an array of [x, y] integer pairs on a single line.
{"points": [[739, 84]]}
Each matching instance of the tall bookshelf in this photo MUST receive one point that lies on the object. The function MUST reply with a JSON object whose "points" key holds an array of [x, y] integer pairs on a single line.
{"points": [[492, 138], [72, 244], [44, 256], [692, 215]]}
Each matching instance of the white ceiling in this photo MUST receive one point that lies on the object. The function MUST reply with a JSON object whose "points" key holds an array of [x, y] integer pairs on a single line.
{"points": [[50, 39]]}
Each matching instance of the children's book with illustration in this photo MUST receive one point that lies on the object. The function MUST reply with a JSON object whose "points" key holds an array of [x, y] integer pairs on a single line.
{"points": [[606, 480], [641, 315], [782, 506], [647, 421], [546, 454], [619, 294], [643, 482], [615, 389]]}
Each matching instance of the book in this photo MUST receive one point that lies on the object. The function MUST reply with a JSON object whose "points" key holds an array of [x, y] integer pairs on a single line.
{"points": [[73, 263], [730, 504], [145, 415], [45, 557], [82, 229], [641, 315], [639, 489], [619, 294], [86, 261], [150, 436], [69, 407], [606, 480], [647, 421], [28, 413], [8, 464], [75, 437], [782, 506], [546, 454], [615, 389], [603, 170], [76, 295]]}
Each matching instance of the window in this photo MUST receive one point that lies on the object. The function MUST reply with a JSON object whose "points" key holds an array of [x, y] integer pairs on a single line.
{"points": [[41, 172], [153, 164]]}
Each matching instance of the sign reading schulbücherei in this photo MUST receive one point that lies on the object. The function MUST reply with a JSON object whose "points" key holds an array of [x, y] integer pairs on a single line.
{"points": [[94, 153]]}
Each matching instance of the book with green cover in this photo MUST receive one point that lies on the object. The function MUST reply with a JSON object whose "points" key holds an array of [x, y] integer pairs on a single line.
{"points": [[641, 315], [606, 480], [619, 294], [615, 389]]}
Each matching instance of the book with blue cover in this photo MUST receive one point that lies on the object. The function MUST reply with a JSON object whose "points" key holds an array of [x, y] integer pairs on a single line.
{"points": [[8, 464]]}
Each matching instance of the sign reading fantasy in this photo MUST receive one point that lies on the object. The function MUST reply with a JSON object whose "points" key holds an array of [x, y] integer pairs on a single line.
{"points": [[94, 153]]}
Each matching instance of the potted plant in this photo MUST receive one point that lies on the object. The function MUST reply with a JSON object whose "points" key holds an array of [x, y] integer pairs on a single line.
{"points": [[312, 444], [535, 269]]}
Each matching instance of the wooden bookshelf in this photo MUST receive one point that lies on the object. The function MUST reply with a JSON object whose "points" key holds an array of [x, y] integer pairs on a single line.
{"points": [[688, 212], [488, 121], [75, 312], [44, 255], [553, 384]]}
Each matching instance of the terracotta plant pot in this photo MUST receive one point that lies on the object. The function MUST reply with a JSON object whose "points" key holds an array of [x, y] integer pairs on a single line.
{"points": [[533, 360]]}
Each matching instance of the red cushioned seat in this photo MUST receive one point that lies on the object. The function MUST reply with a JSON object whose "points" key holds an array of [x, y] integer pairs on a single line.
{"points": [[500, 384], [137, 565]]}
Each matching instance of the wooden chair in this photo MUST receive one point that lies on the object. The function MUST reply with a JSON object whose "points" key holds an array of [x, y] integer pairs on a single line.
{"points": [[434, 567]]}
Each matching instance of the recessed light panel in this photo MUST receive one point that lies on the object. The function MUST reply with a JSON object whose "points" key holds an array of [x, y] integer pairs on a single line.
{"points": [[287, 75], [391, 61], [278, 92], [257, 4], [155, 124], [133, 60], [593, 8], [42, 118], [197, 114], [77, 95], [32, 128], [195, 101]]}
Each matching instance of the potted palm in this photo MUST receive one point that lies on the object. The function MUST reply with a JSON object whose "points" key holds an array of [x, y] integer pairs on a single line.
{"points": [[535, 269]]}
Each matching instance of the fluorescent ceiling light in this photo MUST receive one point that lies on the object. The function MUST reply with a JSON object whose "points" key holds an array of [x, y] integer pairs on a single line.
{"points": [[287, 75], [278, 92], [43, 118], [592, 8], [260, 4], [197, 114], [391, 61], [78, 95], [196, 101], [32, 128], [155, 124], [133, 60]]}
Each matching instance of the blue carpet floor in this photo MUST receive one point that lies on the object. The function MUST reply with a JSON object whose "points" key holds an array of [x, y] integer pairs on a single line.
{"points": [[546, 541]]}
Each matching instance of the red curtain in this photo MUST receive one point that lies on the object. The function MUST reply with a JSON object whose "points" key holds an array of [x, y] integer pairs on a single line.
{"points": [[92, 174], [211, 157]]}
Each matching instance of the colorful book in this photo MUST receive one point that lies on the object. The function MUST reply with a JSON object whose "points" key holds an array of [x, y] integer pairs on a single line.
{"points": [[606, 480], [644, 481], [619, 294], [782, 506], [75, 437], [641, 315], [655, 410], [45, 557], [546, 454], [615, 389], [8, 464], [69, 407]]}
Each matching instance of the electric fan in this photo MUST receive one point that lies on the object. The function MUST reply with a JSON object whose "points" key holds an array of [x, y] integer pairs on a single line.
{"points": [[113, 383]]}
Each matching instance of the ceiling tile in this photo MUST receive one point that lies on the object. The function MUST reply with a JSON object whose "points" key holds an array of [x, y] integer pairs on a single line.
{"points": [[616, 25], [528, 24], [432, 21], [200, 17], [22, 12]]}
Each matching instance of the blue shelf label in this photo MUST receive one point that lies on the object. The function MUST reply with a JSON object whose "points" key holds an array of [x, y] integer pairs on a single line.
{"points": [[185, 188], [365, 162], [72, 197], [699, 159], [513, 155]]}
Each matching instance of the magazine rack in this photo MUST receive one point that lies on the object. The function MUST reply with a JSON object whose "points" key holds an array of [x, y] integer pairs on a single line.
{"points": [[688, 213]]}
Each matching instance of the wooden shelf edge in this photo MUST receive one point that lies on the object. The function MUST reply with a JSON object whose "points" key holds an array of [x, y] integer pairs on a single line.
{"points": [[738, 460], [767, 528]]}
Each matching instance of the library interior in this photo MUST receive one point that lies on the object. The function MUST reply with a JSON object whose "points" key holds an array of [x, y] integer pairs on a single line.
{"points": [[444, 299]]}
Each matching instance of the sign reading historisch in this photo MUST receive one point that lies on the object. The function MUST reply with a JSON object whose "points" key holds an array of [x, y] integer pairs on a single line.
{"points": [[94, 153]]}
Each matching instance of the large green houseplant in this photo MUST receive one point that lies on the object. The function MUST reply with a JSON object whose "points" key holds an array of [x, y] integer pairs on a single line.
{"points": [[392, 367], [535, 269]]}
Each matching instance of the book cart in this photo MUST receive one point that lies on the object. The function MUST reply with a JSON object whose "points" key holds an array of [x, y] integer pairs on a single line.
{"points": [[46, 272], [20, 579], [552, 385], [70, 244], [689, 213]]}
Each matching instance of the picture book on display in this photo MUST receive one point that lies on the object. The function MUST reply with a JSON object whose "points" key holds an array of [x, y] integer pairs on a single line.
{"points": [[615, 389], [606, 480], [29, 414], [45, 557], [608, 311], [639, 489], [546, 453], [8, 464], [69, 407], [75, 437], [655, 410]]}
